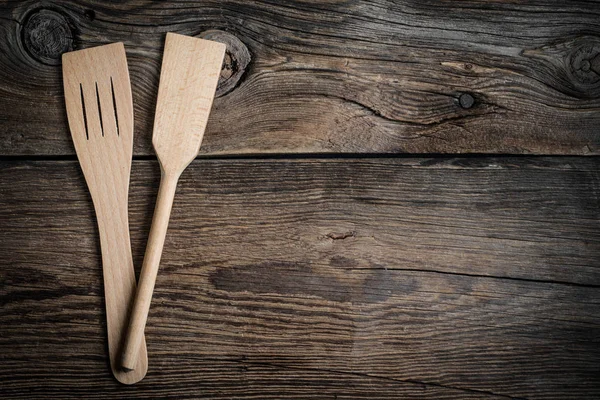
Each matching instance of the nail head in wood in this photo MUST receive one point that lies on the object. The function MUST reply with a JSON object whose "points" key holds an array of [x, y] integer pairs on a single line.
{"points": [[466, 100]]}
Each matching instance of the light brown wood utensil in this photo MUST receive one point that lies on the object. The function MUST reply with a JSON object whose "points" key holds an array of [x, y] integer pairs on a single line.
{"points": [[100, 114], [188, 80]]}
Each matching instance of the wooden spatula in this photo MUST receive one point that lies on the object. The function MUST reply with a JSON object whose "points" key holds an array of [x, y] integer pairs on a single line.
{"points": [[188, 80], [100, 114]]}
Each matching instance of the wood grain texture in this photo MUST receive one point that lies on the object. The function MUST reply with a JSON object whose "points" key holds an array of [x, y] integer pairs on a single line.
{"points": [[382, 278], [189, 76], [332, 77]]}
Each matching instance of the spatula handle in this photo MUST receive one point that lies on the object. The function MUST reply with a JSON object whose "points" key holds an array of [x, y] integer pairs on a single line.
{"points": [[119, 287], [154, 248]]}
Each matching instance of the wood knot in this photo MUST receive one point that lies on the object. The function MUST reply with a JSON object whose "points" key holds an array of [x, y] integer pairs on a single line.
{"points": [[46, 35], [584, 63], [572, 66], [237, 59]]}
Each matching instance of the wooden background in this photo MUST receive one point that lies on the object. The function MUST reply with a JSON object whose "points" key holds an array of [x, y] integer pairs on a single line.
{"points": [[333, 240]]}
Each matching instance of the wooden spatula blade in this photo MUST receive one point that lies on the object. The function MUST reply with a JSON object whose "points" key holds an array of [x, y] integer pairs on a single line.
{"points": [[98, 92], [188, 80]]}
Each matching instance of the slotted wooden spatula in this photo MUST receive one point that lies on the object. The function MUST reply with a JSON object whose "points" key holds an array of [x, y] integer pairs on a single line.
{"points": [[100, 114], [188, 80]]}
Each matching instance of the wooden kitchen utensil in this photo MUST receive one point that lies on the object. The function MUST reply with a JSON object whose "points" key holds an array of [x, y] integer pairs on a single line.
{"points": [[188, 80], [100, 114]]}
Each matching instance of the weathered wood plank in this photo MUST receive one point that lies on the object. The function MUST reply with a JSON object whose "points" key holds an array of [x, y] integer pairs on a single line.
{"points": [[350, 77], [381, 278]]}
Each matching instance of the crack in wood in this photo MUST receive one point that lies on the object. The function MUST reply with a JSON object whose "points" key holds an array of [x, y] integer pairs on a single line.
{"points": [[341, 236]]}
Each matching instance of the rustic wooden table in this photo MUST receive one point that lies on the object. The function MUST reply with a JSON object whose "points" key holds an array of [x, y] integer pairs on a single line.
{"points": [[334, 239]]}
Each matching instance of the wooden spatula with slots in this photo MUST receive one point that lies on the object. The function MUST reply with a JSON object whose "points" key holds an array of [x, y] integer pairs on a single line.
{"points": [[188, 80], [100, 114]]}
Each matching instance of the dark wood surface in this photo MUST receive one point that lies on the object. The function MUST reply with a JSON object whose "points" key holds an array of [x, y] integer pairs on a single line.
{"points": [[330, 77], [317, 278], [307, 258]]}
